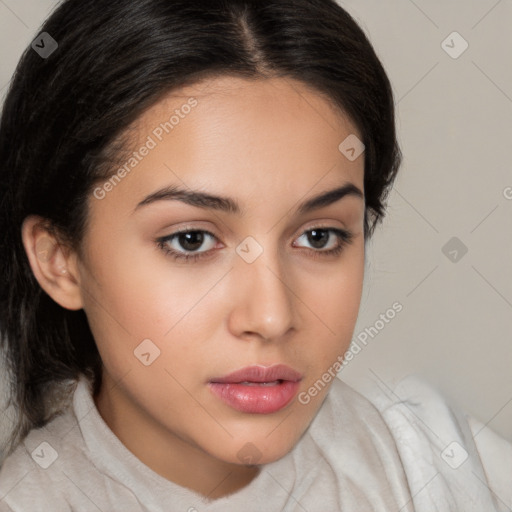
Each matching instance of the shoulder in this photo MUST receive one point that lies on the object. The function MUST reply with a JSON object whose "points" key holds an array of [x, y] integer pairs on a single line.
{"points": [[496, 456], [57, 468], [35, 466], [435, 437], [48, 468]]}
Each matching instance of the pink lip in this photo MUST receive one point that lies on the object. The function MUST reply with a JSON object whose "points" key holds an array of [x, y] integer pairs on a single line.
{"points": [[258, 398], [261, 374]]}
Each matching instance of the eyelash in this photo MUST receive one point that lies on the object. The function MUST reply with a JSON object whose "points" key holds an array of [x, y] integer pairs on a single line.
{"points": [[344, 237]]}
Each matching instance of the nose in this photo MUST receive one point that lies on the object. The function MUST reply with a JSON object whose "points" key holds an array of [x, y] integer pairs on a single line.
{"points": [[263, 300]]}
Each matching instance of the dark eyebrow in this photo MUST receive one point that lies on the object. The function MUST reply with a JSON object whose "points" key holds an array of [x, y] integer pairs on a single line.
{"points": [[226, 204], [330, 197]]}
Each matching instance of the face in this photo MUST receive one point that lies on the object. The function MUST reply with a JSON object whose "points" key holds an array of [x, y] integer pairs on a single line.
{"points": [[256, 278]]}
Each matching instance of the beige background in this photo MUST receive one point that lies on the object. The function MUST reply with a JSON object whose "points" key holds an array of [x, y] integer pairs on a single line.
{"points": [[455, 127]]}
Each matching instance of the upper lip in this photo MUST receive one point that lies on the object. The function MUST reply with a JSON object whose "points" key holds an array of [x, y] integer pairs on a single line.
{"points": [[260, 374]]}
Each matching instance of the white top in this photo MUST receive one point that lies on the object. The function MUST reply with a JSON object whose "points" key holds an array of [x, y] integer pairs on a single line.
{"points": [[410, 452]]}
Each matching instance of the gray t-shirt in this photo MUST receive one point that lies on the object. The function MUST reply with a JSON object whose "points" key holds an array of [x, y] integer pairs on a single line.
{"points": [[412, 454]]}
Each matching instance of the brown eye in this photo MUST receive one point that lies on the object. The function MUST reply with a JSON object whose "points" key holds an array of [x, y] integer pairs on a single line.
{"points": [[178, 244], [319, 238], [191, 241]]}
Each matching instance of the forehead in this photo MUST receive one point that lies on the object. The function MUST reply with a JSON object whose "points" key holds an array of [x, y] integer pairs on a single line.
{"points": [[228, 100], [261, 138]]}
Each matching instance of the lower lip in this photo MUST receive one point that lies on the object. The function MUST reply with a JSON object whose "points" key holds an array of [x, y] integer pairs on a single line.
{"points": [[256, 398]]}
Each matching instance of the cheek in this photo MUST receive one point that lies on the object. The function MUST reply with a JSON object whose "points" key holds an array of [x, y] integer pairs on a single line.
{"points": [[139, 289], [142, 296], [334, 301]]}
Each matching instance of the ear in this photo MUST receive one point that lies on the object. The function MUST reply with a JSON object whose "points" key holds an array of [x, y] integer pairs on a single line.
{"points": [[54, 265]]}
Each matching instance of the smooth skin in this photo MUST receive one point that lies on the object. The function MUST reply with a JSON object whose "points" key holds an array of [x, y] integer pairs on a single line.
{"points": [[270, 145]]}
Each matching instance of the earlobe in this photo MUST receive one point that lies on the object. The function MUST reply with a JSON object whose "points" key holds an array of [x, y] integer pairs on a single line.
{"points": [[53, 265]]}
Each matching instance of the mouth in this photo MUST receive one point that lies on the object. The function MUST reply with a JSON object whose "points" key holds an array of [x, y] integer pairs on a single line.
{"points": [[261, 375], [273, 383], [257, 389]]}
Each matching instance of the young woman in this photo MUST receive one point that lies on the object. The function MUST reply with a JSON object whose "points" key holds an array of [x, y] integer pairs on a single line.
{"points": [[187, 189]]}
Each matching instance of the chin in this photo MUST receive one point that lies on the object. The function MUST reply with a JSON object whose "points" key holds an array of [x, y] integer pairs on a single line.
{"points": [[256, 451]]}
